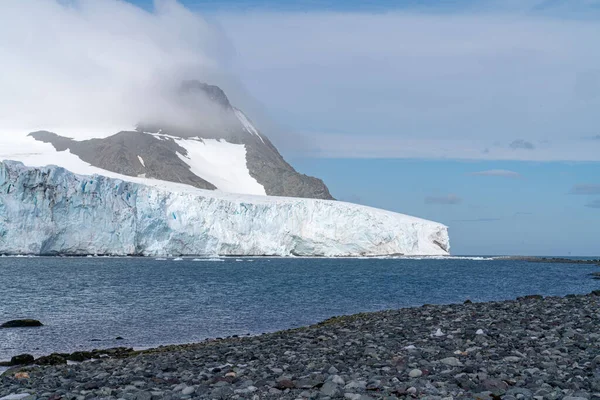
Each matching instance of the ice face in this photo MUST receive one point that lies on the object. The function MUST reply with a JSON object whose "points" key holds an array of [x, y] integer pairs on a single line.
{"points": [[49, 210]]}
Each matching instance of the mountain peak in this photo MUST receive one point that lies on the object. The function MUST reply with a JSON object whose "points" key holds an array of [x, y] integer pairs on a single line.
{"points": [[213, 92]]}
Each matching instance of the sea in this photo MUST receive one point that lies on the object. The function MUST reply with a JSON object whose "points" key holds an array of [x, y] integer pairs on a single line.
{"points": [[87, 303]]}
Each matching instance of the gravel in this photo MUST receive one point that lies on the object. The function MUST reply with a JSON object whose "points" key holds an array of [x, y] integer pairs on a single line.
{"points": [[532, 348]]}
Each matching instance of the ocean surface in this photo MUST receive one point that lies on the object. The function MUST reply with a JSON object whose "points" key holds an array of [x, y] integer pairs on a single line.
{"points": [[86, 303]]}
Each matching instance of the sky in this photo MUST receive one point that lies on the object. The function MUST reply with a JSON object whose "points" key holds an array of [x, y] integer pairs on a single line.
{"points": [[482, 115]]}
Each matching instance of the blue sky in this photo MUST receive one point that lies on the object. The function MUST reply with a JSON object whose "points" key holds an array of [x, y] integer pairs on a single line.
{"points": [[409, 107]]}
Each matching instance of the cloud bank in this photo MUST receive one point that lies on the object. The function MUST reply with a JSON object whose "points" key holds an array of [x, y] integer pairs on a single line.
{"points": [[585, 189], [500, 83], [498, 172], [102, 64], [593, 204]]}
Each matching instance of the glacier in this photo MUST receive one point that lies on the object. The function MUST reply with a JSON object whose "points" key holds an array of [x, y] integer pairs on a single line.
{"points": [[51, 211]]}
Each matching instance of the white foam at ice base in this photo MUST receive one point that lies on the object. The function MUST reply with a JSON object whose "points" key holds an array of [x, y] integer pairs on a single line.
{"points": [[100, 215]]}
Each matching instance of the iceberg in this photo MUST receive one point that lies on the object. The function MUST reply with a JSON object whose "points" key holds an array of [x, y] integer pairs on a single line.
{"points": [[52, 211]]}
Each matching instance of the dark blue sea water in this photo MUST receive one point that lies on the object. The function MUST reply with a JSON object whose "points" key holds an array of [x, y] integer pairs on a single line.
{"points": [[86, 303]]}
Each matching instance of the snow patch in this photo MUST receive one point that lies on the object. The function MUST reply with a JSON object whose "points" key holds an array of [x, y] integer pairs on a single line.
{"points": [[247, 124], [33, 153], [221, 163], [141, 161]]}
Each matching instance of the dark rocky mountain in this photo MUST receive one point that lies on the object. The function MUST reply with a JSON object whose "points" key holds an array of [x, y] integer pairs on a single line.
{"points": [[121, 152]]}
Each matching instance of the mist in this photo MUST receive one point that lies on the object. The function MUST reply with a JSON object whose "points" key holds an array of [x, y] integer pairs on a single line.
{"points": [[89, 67]]}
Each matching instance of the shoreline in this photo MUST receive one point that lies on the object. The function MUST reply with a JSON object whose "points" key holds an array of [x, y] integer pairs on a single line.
{"points": [[534, 259], [514, 348]]}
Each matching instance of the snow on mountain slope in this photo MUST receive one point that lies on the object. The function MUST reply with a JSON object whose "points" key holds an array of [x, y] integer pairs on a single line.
{"points": [[221, 163], [233, 157], [247, 124], [33, 153], [50, 210]]}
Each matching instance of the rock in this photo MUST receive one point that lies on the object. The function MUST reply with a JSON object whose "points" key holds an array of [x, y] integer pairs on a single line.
{"points": [[188, 390], [531, 297], [22, 359], [52, 359], [531, 350], [493, 385], [285, 384], [22, 323], [356, 385], [80, 356], [22, 375], [144, 396], [512, 359], [415, 373], [330, 389], [523, 392], [91, 385], [15, 396], [451, 361]]}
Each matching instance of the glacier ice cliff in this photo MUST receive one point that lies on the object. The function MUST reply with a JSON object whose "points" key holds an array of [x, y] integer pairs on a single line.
{"points": [[49, 210]]}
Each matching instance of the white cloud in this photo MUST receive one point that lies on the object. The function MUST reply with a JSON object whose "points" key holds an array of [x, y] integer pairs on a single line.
{"points": [[585, 189], [351, 84], [593, 204], [498, 172], [417, 85], [101, 63]]}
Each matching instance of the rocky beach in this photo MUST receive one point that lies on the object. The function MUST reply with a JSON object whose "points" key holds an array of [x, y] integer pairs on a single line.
{"points": [[529, 348]]}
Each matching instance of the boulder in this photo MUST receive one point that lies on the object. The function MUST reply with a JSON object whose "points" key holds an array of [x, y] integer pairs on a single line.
{"points": [[52, 359], [22, 323], [80, 356], [22, 359]]}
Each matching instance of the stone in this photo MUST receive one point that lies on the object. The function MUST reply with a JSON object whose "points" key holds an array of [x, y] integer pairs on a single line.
{"points": [[188, 390], [451, 361], [512, 359], [330, 389], [415, 373], [285, 384], [22, 359], [22, 323], [52, 359]]}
